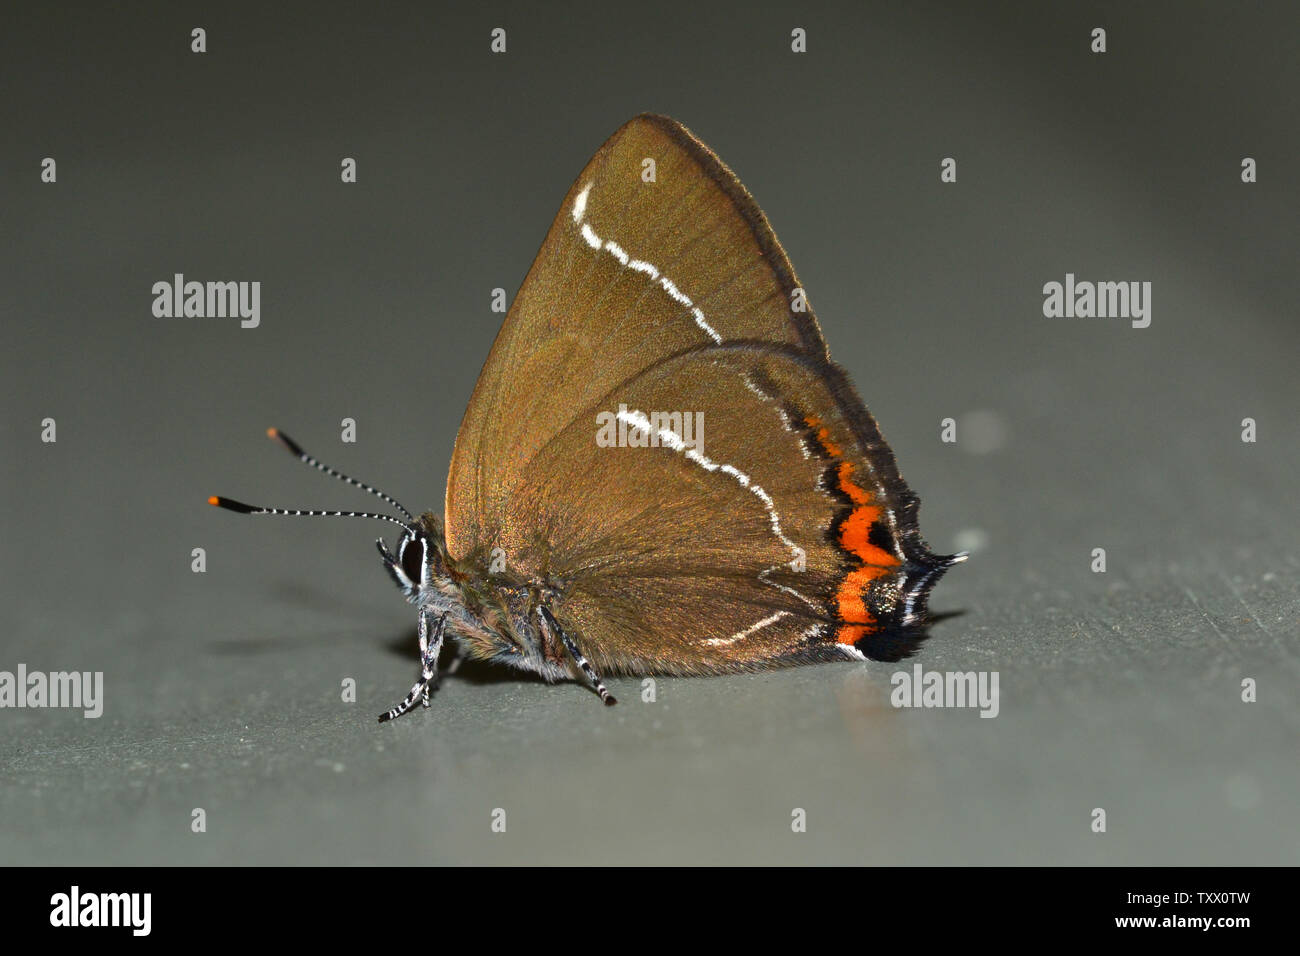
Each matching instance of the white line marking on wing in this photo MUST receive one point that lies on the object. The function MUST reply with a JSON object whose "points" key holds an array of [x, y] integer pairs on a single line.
{"points": [[637, 265], [740, 635]]}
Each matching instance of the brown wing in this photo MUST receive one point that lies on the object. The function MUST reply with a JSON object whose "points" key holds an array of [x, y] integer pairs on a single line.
{"points": [[788, 535], [630, 272]]}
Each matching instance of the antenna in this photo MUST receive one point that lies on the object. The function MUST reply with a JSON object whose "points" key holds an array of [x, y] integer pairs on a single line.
{"points": [[239, 507], [302, 456]]}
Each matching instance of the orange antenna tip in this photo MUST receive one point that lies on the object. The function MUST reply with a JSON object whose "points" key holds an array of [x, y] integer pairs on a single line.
{"points": [[272, 433], [214, 501]]}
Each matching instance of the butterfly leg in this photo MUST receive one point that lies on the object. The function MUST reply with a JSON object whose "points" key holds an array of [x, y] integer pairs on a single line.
{"points": [[554, 627], [453, 665], [430, 647]]}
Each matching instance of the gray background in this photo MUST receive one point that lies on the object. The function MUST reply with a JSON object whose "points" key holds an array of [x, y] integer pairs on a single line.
{"points": [[1118, 690]]}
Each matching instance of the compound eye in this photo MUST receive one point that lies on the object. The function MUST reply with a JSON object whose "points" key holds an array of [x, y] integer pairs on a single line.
{"points": [[413, 560]]}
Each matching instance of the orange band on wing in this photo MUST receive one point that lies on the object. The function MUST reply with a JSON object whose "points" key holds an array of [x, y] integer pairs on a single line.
{"points": [[859, 496], [823, 436], [855, 538]]}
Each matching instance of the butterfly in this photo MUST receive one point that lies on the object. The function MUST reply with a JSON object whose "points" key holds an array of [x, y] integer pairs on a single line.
{"points": [[587, 530]]}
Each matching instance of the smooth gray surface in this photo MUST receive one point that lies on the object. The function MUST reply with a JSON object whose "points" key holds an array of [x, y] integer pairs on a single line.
{"points": [[1119, 691]]}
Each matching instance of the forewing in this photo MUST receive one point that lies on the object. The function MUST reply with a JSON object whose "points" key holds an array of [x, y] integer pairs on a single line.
{"points": [[631, 272]]}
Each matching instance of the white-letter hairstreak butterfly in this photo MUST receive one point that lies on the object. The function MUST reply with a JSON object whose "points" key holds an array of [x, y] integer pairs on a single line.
{"points": [[587, 528]]}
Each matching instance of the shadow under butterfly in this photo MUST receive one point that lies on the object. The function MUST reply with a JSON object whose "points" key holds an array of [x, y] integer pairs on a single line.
{"points": [[787, 537]]}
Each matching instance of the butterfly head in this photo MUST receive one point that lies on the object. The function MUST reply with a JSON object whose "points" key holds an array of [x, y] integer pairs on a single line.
{"points": [[417, 562]]}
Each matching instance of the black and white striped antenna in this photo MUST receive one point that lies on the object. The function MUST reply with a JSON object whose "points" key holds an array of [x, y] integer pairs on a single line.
{"points": [[296, 450], [240, 508]]}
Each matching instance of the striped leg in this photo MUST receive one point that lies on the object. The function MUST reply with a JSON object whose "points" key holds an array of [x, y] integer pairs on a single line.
{"points": [[554, 626], [458, 657], [430, 647], [453, 665]]}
